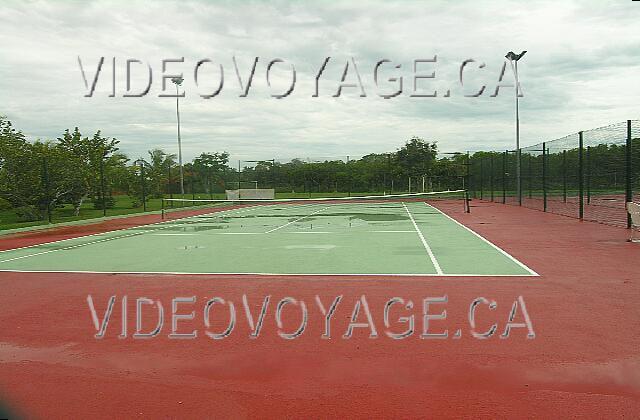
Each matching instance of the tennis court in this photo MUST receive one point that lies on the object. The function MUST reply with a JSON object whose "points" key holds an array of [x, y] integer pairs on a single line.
{"points": [[400, 236]]}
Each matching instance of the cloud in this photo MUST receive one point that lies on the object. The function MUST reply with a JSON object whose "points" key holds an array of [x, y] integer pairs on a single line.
{"points": [[578, 72]]}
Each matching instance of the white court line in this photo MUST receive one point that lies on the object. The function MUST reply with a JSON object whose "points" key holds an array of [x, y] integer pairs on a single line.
{"points": [[298, 233], [391, 231], [107, 239], [167, 224], [73, 246], [298, 219], [184, 273], [424, 242], [175, 234], [502, 251], [237, 233]]}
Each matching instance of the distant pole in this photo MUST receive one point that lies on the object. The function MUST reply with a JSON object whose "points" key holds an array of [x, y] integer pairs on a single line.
{"points": [[273, 175], [144, 190], [178, 81], [102, 189], [239, 172]]}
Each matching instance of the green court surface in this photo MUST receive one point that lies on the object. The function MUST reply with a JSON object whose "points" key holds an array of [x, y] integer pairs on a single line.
{"points": [[354, 238]]}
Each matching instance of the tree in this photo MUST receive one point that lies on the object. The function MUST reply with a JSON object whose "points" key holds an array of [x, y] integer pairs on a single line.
{"points": [[211, 167], [87, 155], [417, 157], [160, 166]]}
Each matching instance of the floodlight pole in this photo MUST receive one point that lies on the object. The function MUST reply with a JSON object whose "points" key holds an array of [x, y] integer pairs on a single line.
{"points": [[518, 179], [513, 59], [178, 81]]}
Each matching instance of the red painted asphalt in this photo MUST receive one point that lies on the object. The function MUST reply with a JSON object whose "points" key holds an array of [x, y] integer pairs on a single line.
{"points": [[583, 362]]}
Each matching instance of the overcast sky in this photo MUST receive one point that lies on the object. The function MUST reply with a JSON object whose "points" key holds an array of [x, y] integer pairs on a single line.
{"points": [[582, 70]]}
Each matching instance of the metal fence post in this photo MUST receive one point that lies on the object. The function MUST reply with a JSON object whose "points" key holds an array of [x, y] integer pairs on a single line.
{"points": [[468, 173], [628, 186], [588, 175], [492, 175], [581, 176], [530, 176], [544, 175], [564, 176], [504, 177], [519, 177], [481, 178]]}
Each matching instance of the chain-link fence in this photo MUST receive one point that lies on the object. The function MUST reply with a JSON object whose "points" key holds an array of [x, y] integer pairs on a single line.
{"points": [[588, 175]]}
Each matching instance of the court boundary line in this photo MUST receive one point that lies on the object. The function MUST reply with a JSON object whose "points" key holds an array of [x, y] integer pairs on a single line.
{"points": [[496, 247], [126, 228], [267, 274], [432, 256]]}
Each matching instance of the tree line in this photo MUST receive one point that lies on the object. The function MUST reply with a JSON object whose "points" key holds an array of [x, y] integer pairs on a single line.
{"points": [[39, 176]]}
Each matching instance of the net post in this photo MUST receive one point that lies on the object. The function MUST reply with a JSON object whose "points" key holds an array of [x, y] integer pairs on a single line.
{"points": [[581, 175], [628, 184], [544, 174], [162, 207], [467, 201]]}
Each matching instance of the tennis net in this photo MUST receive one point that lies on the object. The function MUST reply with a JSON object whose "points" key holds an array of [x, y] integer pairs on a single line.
{"points": [[176, 208]]}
